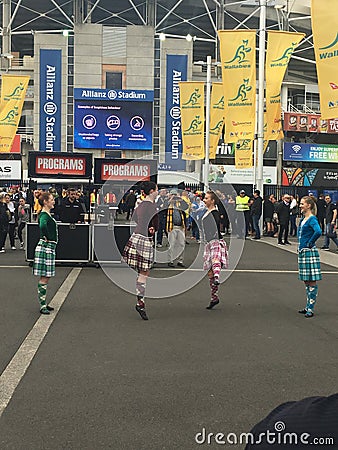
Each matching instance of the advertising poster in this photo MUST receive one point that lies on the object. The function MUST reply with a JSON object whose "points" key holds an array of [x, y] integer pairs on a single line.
{"points": [[309, 123], [113, 119], [177, 66], [310, 177], [310, 152], [10, 170], [230, 174], [50, 100]]}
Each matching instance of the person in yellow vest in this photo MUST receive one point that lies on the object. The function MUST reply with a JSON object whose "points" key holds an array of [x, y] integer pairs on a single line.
{"points": [[242, 214]]}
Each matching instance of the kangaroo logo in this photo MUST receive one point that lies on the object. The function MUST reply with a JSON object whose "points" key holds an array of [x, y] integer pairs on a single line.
{"points": [[240, 54], [11, 115], [220, 103], [244, 144], [287, 54], [16, 91], [330, 45], [242, 91], [218, 126], [194, 125], [193, 98]]}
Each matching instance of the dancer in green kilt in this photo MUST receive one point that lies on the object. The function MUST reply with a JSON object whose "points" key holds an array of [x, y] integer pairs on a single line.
{"points": [[44, 257]]}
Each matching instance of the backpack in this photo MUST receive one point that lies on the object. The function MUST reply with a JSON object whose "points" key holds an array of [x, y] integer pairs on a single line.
{"points": [[177, 217]]}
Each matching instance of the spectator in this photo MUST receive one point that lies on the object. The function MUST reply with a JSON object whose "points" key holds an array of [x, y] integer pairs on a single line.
{"points": [[176, 228], [293, 216], [12, 222], [71, 210], [23, 214], [283, 212], [331, 217], [242, 214], [256, 212], [5, 217], [321, 212], [130, 202], [268, 211], [162, 206]]}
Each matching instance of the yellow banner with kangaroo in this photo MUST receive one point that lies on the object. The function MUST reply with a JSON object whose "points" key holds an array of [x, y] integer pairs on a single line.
{"points": [[13, 92], [238, 60], [325, 39], [281, 45], [216, 118], [192, 119]]}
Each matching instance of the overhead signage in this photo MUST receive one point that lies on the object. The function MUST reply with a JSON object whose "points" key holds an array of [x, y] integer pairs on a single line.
{"points": [[310, 177], [310, 152], [309, 123], [124, 170], [10, 170], [176, 72], [47, 165], [50, 100], [113, 119]]}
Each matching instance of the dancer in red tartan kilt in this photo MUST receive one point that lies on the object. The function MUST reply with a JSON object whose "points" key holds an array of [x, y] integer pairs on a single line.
{"points": [[215, 250], [139, 250]]}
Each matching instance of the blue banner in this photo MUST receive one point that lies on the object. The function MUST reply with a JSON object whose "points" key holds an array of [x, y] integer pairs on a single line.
{"points": [[177, 67], [310, 152], [50, 100]]}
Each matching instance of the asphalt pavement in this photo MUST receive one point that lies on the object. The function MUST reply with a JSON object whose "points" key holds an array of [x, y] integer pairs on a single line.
{"points": [[102, 378]]}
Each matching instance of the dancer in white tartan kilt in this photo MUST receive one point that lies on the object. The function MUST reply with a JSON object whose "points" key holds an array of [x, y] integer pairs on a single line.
{"points": [[139, 250], [44, 257], [215, 250], [308, 256]]}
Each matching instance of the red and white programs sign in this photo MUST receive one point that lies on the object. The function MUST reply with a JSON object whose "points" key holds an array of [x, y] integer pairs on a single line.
{"points": [[125, 172], [60, 165]]}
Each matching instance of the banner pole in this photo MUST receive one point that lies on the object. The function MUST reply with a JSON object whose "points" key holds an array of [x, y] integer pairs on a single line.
{"points": [[260, 119], [207, 125]]}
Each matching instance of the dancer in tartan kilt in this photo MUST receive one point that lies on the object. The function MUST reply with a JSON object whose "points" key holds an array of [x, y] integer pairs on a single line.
{"points": [[215, 250], [308, 256], [44, 257], [139, 250]]}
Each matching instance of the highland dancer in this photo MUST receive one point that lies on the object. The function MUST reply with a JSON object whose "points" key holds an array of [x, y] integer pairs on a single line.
{"points": [[308, 256], [215, 251], [139, 250], [44, 257]]}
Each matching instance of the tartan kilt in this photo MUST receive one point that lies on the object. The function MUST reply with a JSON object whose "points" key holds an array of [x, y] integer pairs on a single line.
{"points": [[215, 250], [44, 259], [139, 252], [309, 265]]}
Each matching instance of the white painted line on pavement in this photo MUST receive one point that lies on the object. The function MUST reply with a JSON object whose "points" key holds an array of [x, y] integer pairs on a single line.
{"points": [[17, 367], [173, 269]]}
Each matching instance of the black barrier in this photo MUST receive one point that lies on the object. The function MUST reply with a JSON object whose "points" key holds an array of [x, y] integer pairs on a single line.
{"points": [[109, 242], [73, 246]]}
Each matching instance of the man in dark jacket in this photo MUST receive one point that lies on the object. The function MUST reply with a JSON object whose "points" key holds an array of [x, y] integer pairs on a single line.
{"points": [[71, 210], [283, 212], [256, 212], [130, 203], [298, 425]]}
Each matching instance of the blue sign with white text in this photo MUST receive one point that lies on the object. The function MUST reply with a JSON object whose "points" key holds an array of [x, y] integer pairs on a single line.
{"points": [[177, 67], [310, 152], [113, 119], [50, 100]]}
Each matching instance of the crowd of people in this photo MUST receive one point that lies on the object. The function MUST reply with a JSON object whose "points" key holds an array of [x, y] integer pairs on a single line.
{"points": [[20, 206]]}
